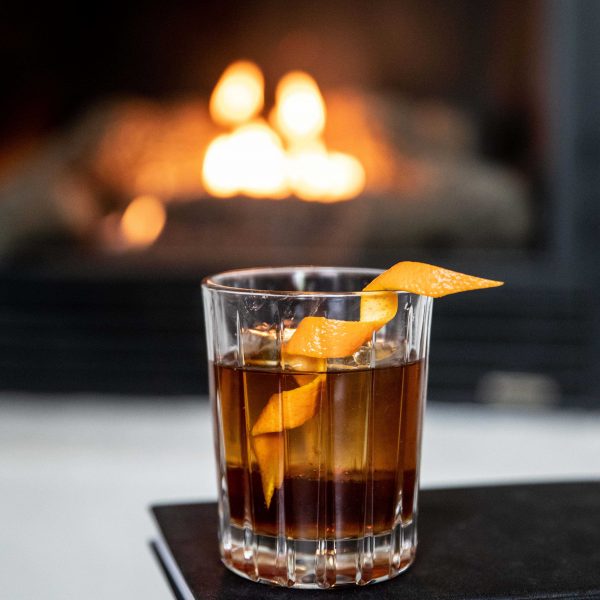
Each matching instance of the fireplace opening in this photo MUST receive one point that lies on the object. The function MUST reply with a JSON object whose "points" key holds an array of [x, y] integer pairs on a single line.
{"points": [[429, 116], [144, 150]]}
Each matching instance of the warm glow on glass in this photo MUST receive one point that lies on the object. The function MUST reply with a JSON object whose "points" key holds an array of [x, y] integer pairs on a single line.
{"points": [[238, 95], [249, 161], [143, 221], [300, 109]]}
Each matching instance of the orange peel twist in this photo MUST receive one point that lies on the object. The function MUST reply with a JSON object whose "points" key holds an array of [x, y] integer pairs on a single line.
{"points": [[318, 338]]}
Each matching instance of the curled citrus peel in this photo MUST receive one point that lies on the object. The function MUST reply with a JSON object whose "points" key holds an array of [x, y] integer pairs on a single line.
{"points": [[268, 449], [290, 408], [318, 338]]}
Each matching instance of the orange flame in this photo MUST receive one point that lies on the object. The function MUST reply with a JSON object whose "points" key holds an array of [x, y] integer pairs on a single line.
{"points": [[238, 95], [300, 109], [143, 221], [249, 161], [252, 159], [316, 174]]}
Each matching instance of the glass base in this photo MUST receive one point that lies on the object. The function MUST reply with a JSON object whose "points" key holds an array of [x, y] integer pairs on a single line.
{"points": [[319, 564]]}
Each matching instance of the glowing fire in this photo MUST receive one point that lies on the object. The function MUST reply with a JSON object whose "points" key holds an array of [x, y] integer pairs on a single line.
{"points": [[300, 110], [253, 160], [143, 221], [249, 161], [238, 95]]}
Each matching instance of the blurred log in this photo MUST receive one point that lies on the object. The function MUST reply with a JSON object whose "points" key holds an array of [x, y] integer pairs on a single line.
{"points": [[48, 198]]}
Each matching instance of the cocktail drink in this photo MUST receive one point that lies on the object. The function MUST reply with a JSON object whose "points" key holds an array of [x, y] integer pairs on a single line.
{"points": [[318, 387]]}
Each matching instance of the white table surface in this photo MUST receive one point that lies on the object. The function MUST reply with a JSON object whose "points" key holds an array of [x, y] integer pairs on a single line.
{"points": [[77, 476]]}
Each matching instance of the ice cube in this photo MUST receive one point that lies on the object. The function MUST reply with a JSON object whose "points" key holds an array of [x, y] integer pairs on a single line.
{"points": [[369, 355], [259, 344], [389, 353], [361, 359], [363, 356]]}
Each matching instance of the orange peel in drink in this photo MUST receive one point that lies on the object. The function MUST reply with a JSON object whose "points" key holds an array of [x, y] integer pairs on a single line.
{"points": [[290, 409], [328, 338], [268, 449], [318, 338]]}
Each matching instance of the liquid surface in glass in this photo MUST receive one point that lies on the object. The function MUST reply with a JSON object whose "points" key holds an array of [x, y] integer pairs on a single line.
{"points": [[348, 471]]}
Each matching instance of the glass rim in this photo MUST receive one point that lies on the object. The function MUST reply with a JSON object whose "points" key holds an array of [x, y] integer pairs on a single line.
{"points": [[212, 282]]}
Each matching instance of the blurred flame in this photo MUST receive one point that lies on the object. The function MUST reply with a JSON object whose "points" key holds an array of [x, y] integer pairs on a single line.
{"points": [[316, 174], [347, 176], [252, 159], [300, 109], [238, 95], [143, 221]]}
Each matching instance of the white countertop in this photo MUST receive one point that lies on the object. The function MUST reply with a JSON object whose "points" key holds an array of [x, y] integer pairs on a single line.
{"points": [[77, 476]]}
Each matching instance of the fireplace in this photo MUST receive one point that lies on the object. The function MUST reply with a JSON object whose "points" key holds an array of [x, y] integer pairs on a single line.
{"points": [[461, 133]]}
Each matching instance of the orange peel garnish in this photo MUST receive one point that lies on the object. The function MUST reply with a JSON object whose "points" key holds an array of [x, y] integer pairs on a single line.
{"points": [[287, 410], [427, 280], [291, 408], [320, 338], [268, 449]]}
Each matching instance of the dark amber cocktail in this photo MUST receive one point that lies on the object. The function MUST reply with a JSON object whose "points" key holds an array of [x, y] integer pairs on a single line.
{"points": [[318, 454], [349, 469]]}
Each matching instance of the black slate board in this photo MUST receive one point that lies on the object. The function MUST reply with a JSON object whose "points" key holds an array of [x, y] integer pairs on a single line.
{"points": [[517, 541]]}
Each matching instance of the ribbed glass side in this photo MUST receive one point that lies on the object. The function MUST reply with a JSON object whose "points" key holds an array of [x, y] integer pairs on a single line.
{"points": [[333, 500]]}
